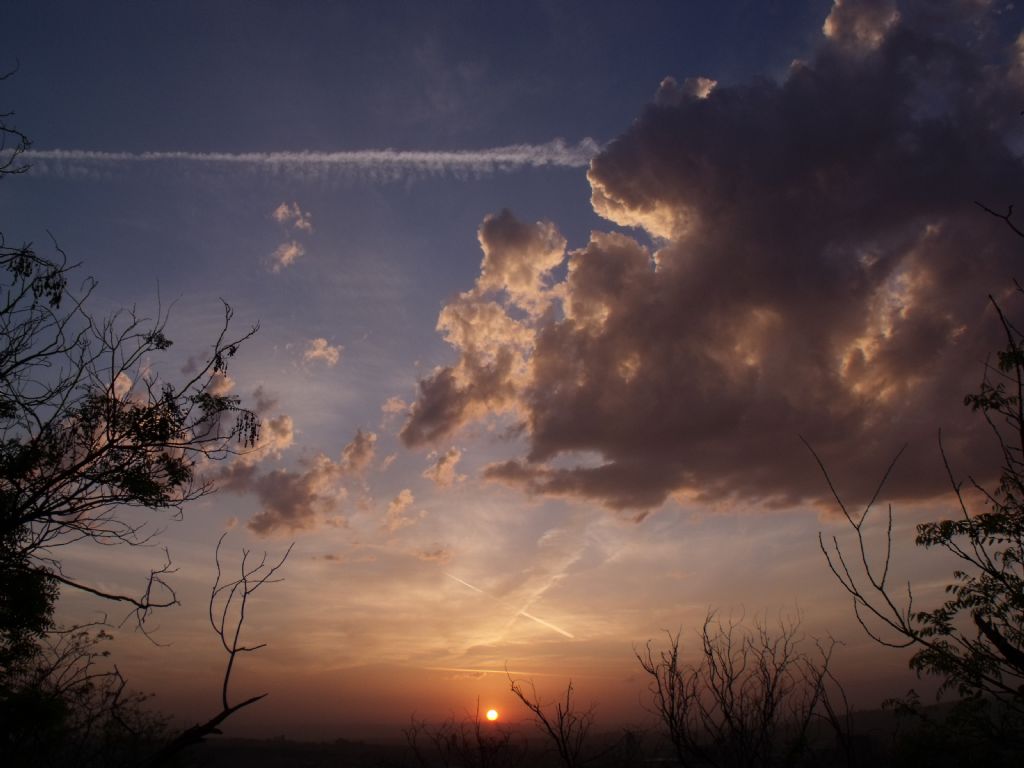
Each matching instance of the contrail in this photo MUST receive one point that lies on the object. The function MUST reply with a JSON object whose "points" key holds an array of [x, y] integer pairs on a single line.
{"points": [[482, 671], [522, 613], [373, 164], [547, 624], [465, 584]]}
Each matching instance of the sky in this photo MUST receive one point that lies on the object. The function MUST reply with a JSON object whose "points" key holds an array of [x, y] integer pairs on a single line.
{"points": [[547, 294]]}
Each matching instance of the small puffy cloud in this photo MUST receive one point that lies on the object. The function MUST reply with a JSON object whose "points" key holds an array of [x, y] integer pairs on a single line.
{"points": [[294, 216], [356, 554], [276, 435], [442, 470], [518, 257], [394, 405], [357, 455], [264, 401], [285, 255], [816, 271], [290, 500], [122, 385], [396, 517], [320, 350], [282, 213], [401, 502], [220, 384], [436, 554], [277, 432], [671, 93], [302, 498]]}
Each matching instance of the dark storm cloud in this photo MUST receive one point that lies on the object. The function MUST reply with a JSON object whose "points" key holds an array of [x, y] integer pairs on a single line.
{"points": [[820, 270]]}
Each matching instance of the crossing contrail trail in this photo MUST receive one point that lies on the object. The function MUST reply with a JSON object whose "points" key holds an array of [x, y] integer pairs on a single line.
{"points": [[373, 164], [522, 613]]}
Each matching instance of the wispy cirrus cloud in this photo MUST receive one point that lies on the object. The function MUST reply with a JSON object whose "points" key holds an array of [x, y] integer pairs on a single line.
{"points": [[378, 165]]}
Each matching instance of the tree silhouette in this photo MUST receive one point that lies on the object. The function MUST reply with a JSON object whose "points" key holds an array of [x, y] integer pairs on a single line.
{"points": [[69, 706], [470, 742], [87, 425], [88, 430], [228, 600], [563, 722], [974, 641], [749, 698]]}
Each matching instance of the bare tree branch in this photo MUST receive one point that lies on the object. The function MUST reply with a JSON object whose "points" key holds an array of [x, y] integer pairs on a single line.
{"points": [[565, 725], [228, 599]]}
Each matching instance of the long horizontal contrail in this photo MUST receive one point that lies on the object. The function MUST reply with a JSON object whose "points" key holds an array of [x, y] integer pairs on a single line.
{"points": [[375, 164]]}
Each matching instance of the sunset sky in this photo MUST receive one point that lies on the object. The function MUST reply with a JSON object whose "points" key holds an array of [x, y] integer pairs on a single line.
{"points": [[548, 293]]}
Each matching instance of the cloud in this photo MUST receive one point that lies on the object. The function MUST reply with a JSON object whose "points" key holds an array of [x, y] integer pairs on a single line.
{"points": [[861, 25], [518, 257], [813, 266], [436, 554], [319, 349], [357, 455], [396, 518], [277, 431], [671, 93], [373, 165], [394, 405], [294, 216], [264, 401], [442, 471], [220, 384], [493, 325], [290, 501], [277, 434], [295, 499], [285, 255], [357, 554], [122, 385]]}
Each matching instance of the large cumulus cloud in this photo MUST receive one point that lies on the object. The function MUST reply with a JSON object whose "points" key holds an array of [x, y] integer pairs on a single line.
{"points": [[815, 266]]}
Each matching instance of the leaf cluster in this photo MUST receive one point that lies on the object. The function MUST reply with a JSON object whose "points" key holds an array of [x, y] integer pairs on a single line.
{"points": [[87, 427]]}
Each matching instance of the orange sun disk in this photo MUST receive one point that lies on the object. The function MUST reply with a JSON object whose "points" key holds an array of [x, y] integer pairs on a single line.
{"points": [[492, 715]]}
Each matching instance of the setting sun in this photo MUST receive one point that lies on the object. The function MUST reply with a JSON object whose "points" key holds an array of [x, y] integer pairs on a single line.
{"points": [[555, 352]]}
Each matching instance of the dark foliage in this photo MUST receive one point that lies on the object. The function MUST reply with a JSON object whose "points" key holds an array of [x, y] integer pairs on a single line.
{"points": [[88, 431], [470, 742], [974, 641]]}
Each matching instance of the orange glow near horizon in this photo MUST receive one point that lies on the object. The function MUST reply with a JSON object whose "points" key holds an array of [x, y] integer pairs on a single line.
{"points": [[492, 715]]}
